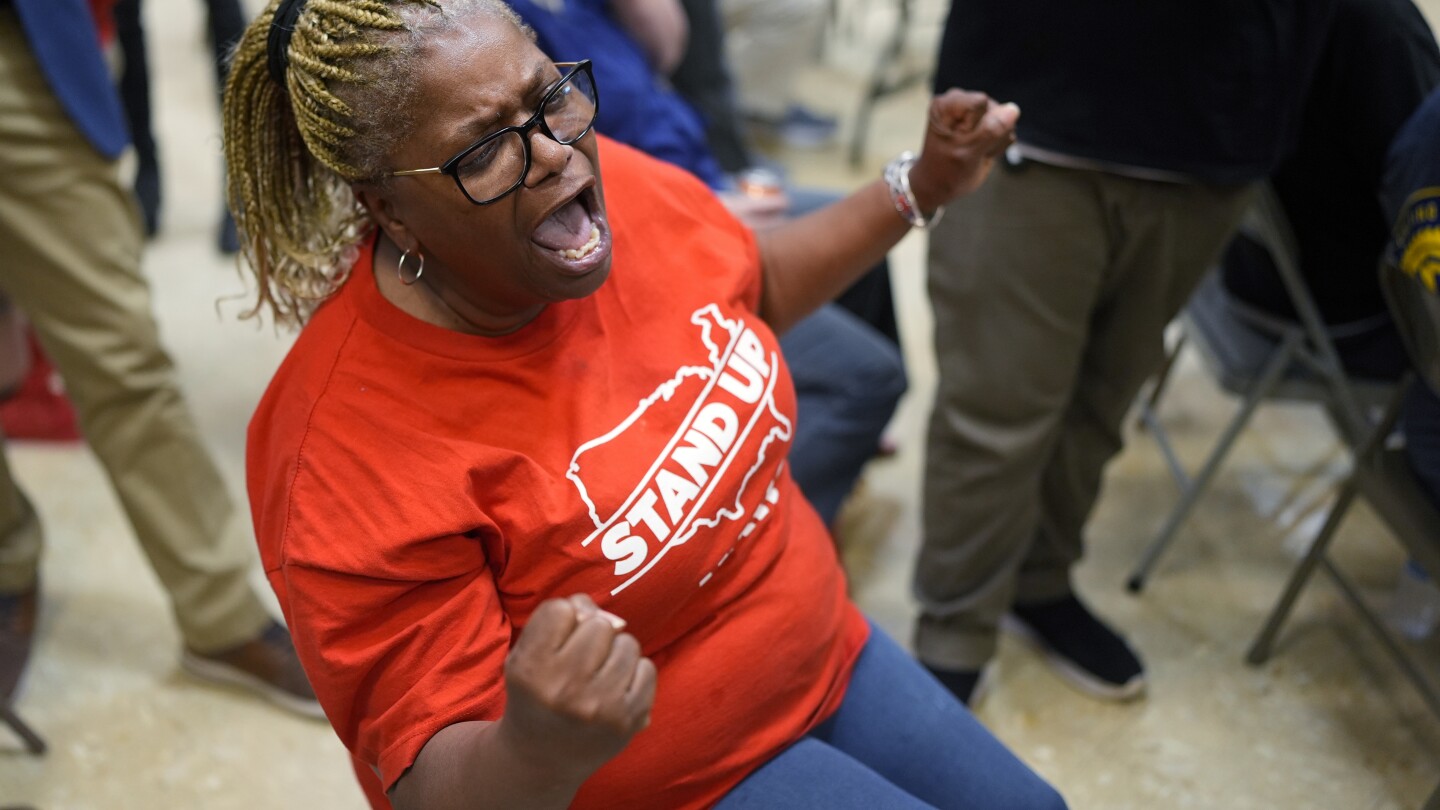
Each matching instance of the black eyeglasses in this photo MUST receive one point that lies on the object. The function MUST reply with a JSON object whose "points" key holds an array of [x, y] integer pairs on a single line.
{"points": [[497, 164]]}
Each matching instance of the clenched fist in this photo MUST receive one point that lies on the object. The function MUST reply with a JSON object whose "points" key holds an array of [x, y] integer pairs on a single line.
{"points": [[577, 687], [966, 131]]}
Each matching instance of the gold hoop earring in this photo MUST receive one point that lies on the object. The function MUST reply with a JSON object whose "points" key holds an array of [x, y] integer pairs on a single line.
{"points": [[400, 267]]}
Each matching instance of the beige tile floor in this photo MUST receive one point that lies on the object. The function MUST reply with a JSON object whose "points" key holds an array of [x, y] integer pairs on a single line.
{"points": [[1329, 724]]}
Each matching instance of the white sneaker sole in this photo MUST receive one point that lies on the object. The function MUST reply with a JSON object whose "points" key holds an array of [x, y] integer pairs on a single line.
{"points": [[216, 672], [1070, 672]]}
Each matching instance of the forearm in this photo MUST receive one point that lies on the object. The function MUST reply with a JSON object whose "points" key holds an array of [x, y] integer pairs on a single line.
{"points": [[807, 262], [473, 765], [661, 28]]}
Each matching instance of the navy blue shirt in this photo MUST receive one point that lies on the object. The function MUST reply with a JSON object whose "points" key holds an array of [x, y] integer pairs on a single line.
{"points": [[1411, 197], [1379, 63], [1206, 89], [1412, 169], [637, 107]]}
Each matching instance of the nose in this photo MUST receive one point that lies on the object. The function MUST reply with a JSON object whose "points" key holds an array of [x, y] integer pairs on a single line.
{"points": [[547, 157]]}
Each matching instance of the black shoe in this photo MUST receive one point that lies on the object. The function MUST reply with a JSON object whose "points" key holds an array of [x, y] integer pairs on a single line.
{"points": [[17, 635], [147, 194], [229, 239], [1083, 650]]}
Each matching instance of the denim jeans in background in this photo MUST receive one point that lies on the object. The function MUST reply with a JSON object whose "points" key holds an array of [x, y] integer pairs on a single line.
{"points": [[899, 741], [848, 380]]}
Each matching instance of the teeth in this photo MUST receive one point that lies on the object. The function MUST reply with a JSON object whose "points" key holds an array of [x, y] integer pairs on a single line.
{"points": [[585, 249]]}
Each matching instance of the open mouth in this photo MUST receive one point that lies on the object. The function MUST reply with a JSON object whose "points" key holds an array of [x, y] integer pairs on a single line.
{"points": [[574, 232]]}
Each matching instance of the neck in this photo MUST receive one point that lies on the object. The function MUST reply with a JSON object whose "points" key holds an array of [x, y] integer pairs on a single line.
{"points": [[431, 300]]}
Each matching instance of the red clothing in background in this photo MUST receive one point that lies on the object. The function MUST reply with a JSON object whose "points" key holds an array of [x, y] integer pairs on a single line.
{"points": [[104, 13], [418, 492]]}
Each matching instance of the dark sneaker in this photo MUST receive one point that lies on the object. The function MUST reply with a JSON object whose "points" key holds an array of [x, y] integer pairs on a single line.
{"points": [[228, 239], [147, 194], [17, 634], [267, 666], [799, 127], [1082, 649]]}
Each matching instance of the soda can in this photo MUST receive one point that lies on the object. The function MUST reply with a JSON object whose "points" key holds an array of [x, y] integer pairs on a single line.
{"points": [[759, 182]]}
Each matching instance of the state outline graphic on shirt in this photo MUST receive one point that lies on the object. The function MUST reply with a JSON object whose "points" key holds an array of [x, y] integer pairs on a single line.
{"points": [[677, 495]]}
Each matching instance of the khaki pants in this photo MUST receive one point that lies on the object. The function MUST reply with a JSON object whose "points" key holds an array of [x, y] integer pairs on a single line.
{"points": [[1051, 288], [70, 259]]}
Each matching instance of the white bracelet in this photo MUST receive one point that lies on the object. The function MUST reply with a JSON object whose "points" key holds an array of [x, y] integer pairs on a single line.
{"points": [[897, 177]]}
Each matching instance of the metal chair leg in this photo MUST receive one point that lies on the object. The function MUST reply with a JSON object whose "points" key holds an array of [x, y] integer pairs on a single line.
{"points": [[1181, 476], [1162, 380], [1148, 420], [1260, 649], [881, 83], [1274, 367], [33, 742], [1403, 659]]}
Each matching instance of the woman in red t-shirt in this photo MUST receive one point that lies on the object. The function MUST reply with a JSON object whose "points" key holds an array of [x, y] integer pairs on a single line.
{"points": [[520, 486]]}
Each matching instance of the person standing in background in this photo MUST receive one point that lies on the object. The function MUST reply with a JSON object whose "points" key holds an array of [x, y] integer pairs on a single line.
{"points": [[71, 239], [1144, 127], [225, 21]]}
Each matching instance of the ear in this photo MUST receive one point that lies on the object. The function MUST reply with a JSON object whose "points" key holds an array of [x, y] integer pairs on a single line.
{"points": [[383, 210]]}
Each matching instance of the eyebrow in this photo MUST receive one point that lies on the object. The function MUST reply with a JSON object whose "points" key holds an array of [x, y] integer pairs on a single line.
{"points": [[476, 128]]}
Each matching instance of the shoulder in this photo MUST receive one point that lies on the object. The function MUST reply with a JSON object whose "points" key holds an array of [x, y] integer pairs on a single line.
{"points": [[1411, 161], [280, 431], [633, 178], [669, 225]]}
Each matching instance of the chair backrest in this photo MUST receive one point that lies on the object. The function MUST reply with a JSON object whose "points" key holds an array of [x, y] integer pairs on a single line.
{"points": [[1268, 225]]}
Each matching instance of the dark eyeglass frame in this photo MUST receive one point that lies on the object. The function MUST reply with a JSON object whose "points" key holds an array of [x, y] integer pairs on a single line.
{"points": [[451, 167]]}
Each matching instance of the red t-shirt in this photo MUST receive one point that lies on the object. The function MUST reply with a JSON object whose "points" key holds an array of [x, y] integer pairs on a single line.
{"points": [[417, 492]]}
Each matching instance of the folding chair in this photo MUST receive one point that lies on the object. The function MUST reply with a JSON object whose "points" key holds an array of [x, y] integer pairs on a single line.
{"points": [[32, 741], [1382, 476], [12, 670], [1257, 356], [889, 74]]}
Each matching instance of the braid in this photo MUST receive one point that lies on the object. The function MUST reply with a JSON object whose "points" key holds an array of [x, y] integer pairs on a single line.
{"points": [[293, 152]]}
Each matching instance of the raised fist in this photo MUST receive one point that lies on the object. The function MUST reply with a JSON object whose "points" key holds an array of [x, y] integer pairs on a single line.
{"points": [[966, 131], [577, 687]]}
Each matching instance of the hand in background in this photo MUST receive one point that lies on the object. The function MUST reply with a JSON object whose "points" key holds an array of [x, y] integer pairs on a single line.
{"points": [[966, 131]]}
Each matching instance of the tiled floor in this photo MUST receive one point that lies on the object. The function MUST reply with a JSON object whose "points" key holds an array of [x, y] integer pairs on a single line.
{"points": [[1328, 724]]}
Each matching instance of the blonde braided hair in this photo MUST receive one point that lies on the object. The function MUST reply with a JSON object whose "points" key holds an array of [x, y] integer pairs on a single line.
{"points": [[292, 152]]}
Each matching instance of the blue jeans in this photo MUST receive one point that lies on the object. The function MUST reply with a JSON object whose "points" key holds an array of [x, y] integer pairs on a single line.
{"points": [[899, 741], [849, 376], [848, 379]]}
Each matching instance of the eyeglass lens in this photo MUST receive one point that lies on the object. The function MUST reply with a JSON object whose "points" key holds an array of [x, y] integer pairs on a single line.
{"points": [[498, 164]]}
